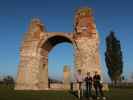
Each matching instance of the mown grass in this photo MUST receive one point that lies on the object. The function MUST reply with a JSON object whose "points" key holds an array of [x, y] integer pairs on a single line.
{"points": [[8, 93], [120, 94]]}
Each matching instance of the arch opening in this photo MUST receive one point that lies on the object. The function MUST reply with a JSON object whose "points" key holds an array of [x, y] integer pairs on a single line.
{"points": [[60, 56], [46, 48]]}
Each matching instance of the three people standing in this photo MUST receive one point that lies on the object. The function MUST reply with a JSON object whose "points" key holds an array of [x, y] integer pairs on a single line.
{"points": [[90, 82]]}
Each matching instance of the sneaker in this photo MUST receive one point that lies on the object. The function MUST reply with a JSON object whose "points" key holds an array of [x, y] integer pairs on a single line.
{"points": [[90, 98], [104, 98], [98, 98]]}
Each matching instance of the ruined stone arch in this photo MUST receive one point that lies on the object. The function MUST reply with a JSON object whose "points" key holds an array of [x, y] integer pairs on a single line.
{"points": [[33, 66]]}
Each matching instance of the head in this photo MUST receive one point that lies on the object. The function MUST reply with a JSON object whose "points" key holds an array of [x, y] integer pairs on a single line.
{"points": [[88, 73], [96, 73], [79, 71]]}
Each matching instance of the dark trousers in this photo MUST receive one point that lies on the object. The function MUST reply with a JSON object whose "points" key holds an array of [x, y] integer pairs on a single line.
{"points": [[88, 90], [98, 90]]}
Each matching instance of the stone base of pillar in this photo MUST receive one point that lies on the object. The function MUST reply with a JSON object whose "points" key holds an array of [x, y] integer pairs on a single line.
{"points": [[66, 86], [24, 86]]}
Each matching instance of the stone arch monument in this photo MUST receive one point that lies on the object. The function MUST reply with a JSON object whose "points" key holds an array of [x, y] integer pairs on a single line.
{"points": [[37, 43]]}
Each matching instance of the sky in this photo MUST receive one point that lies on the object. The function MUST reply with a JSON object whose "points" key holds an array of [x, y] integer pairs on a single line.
{"points": [[58, 16]]}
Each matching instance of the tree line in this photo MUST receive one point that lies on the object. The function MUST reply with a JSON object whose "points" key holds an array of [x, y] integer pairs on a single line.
{"points": [[7, 80]]}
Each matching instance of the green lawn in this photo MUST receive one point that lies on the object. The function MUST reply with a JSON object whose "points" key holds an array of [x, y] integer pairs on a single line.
{"points": [[8, 93], [120, 94]]}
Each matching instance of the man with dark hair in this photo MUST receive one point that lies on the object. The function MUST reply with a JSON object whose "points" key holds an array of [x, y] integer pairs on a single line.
{"points": [[88, 84], [98, 86]]}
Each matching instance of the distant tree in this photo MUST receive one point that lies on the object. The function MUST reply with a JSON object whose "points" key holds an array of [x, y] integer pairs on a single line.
{"points": [[113, 58], [132, 76], [8, 80]]}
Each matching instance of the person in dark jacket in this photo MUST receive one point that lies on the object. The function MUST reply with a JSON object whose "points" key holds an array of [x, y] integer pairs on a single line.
{"points": [[98, 86], [88, 83]]}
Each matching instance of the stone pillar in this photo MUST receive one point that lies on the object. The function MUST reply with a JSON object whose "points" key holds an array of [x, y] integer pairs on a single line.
{"points": [[87, 42], [28, 67], [66, 79], [43, 70], [27, 78]]}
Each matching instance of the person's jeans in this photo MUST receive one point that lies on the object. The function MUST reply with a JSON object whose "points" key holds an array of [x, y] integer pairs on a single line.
{"points": [[88, 90], [98, 90]]}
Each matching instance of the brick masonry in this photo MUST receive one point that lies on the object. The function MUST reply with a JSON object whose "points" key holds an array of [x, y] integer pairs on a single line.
{"points": [[37, 43]]}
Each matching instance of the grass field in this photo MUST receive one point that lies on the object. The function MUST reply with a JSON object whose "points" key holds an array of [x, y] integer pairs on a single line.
{"points": [[8, 93]]}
